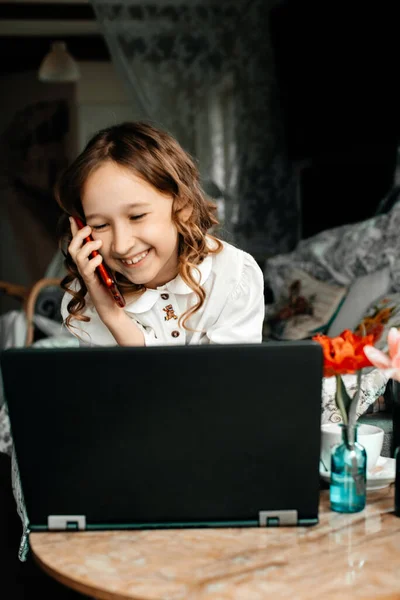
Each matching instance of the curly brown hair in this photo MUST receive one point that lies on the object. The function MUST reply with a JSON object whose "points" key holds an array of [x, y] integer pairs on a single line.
{"points": [[156, 157]]}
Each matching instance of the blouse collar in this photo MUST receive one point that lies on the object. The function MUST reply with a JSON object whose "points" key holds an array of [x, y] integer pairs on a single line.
{"points": [[177, 286]]}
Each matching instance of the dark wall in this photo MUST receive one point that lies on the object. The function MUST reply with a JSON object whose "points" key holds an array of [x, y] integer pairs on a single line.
{"points": [[337, 65]]}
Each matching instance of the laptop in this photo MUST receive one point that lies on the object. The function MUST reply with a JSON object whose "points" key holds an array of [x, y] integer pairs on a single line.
{"points": [[166, 437]]}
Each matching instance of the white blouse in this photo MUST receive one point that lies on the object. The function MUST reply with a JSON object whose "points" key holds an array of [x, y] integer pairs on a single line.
{"points": [[233, 310]]}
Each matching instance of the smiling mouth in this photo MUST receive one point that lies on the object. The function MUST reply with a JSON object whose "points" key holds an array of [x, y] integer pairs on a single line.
{"points": [[136, 260]]}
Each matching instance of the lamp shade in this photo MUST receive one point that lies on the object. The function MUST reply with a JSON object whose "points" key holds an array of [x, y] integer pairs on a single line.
{"points": [[58, 65]]}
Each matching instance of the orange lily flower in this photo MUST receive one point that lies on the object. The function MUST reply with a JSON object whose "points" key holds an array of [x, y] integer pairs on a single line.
{"points": [[345, 353]]}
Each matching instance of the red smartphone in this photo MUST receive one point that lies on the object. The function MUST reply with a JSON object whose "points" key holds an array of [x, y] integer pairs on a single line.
{"points": [[104, 272]]}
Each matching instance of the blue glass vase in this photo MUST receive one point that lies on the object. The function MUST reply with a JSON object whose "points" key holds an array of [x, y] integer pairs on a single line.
{"points": [[348, 473]]}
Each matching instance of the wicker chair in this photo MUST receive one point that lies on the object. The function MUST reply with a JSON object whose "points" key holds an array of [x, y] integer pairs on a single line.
{"points": [[43, 299]]}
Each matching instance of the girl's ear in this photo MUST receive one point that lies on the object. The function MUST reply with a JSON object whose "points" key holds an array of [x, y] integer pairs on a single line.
{"points": [[185, 213]]}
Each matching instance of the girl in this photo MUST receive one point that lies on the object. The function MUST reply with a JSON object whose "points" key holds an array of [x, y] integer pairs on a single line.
{"points": [[139, 194]]}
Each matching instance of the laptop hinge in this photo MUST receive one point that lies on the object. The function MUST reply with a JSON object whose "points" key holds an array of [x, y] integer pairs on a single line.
{"points": [[66, 522], [277, 518]]}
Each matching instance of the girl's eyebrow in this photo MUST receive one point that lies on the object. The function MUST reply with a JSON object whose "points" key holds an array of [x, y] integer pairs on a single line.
{"points": [[128, 207]]}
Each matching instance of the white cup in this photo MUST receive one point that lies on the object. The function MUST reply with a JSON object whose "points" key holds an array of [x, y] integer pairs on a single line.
{"points": [[369, 436]]}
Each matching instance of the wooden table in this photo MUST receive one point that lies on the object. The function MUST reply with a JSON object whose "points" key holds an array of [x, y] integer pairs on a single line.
{"points": [[343, 557]]}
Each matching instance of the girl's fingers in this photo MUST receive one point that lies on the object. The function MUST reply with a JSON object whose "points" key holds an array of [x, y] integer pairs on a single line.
{"points": [[78, 241], [87, 265], [80, 250], [84, 251], [74, 226], [78, 237], [90, 267], [80, 233]]}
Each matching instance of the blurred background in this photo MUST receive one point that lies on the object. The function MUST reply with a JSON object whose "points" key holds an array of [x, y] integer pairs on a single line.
{"points": [[291, 109]]}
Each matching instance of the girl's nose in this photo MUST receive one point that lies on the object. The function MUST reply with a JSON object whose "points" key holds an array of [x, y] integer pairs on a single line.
{"points": [[123, 241]]}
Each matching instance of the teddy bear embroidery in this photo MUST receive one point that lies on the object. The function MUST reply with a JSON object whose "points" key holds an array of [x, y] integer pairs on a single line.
{"points": [[170, 313]]}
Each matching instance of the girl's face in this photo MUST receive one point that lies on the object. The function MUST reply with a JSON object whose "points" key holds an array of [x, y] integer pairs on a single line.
{"points": [[134, 221]]}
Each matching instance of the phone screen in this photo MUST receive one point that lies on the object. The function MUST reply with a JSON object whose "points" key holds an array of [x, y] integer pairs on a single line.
{"points": [[104, 272]]}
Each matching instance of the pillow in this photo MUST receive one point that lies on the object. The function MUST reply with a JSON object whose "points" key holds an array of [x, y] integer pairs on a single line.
{"points": [[363, 291], [306, 307], [380, 316], [342, 254]]}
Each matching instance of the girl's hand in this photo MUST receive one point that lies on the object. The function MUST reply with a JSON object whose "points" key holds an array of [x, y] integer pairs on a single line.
{"points": [[80, 252], [124, 330]]}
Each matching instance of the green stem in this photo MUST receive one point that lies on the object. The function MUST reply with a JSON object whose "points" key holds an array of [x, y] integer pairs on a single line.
{"points": [[340, 399], [354, 402]]}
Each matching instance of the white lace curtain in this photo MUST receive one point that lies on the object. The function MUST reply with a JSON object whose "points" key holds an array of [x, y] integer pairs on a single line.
{"points": [[178, 63], [201, 70]]}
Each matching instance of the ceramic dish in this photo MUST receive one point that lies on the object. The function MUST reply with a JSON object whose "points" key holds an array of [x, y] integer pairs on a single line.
{"points": [[382, 475]]}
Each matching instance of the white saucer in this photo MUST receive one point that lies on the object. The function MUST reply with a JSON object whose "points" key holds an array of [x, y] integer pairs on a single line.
{"points": [[379, 477]]}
